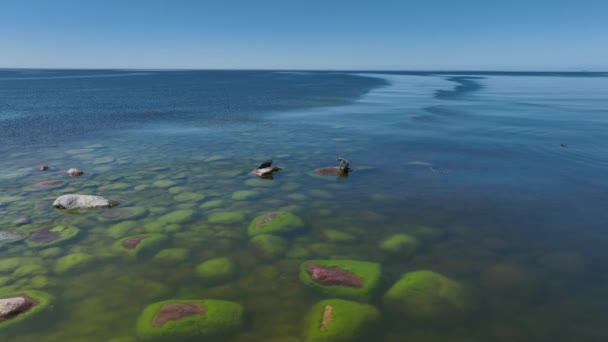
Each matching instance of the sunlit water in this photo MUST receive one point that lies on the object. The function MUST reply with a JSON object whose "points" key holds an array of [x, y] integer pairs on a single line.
{"points": [[507, 171]]}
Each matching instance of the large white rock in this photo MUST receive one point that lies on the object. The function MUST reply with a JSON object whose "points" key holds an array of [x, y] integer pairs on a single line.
{"points": [[13, 306], [74, 201]]}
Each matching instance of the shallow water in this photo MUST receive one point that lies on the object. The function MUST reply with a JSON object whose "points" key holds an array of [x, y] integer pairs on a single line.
{"points": [[515, 216]]}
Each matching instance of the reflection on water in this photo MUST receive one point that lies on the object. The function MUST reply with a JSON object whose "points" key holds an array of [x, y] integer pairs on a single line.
{"points": [[482, 184]]}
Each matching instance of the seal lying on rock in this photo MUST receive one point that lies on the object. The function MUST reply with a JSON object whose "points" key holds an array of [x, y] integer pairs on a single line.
{"points": [[265, 169], [74, 201], [341, 170]]}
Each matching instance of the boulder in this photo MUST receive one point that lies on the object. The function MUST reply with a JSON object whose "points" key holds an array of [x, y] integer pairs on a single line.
{"points": [[341, 278], [189, 319], [75, 201]]}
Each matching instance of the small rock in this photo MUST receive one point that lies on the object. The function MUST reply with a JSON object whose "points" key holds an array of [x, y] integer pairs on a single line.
{"points": [[75, 201], [73, 172], [43, 168]]}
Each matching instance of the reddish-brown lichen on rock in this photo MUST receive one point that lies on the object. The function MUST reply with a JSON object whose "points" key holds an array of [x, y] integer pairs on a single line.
{"points": [[175, 311], [11, 307], [328, 316], [333, 276], [266, 218], [132, 242], [45, 235]]}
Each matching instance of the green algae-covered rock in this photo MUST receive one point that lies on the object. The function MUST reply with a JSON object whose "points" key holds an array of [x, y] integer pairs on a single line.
{"points": [[241, 195], [341, 278], [72, 262], [39, 282], [51, 236], [269, 246], [164, 183], [425, 232], [275, 222], [11, 264], [177, 216], [399, 244], [9, 299], [30, 270], [226, 217], [179, 319], [172, 255], [212, 204], [140, 245], [426, 294], [216, 270], [337, 320], [50, 252], [189, 197], [335, 235], [121, 229]]}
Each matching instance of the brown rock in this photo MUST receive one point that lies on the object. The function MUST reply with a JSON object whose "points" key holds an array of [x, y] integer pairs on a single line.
{"points": [[132, 242]]}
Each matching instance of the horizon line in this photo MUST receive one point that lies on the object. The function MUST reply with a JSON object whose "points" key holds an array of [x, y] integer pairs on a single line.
{"points": [[313, 70]]}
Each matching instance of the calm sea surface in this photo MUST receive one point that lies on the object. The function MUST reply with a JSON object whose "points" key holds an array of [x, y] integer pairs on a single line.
{"points": [[501, 177]]}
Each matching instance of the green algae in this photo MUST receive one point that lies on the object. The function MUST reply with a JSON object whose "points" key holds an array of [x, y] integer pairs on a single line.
{"points": [[121, 229], [123, 213], [188, 197], [220, 318], [275, 222], [241, 195], [368, 272], [335, 320], [212, 204], [178, 216], [172, 255], [335, 235], [216, 270], [399, 244], [425, 295], [226, 217], [269, 246], [72, 262], [164, 183], [30, 270]]}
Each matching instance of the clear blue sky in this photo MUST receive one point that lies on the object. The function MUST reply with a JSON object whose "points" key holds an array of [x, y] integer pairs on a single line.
{"points": [[306, 34]]}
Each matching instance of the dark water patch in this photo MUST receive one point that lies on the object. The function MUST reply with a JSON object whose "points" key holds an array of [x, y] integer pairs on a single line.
{"points": [[465, 86]]}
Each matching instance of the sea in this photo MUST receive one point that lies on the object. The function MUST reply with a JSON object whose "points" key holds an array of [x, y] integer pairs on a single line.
{"points": [[499, 178]]}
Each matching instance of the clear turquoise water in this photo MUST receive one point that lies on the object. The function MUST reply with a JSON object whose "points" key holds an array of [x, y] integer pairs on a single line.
{"points": [[518, 218]]}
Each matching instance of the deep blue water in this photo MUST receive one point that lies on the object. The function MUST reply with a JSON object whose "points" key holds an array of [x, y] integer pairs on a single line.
{"points": [[508, 168]]}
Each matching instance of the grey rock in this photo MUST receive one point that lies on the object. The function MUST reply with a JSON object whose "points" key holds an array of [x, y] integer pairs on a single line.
{"points": [[13, 306], [75, 201]]}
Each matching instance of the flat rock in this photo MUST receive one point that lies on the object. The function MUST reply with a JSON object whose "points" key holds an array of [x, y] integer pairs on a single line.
{"points": [[75, 201]]}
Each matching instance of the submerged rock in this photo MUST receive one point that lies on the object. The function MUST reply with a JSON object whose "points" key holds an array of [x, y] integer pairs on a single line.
{"points": [[399, 244], [75, 201], [226, 217], [49, 184], [426, 295], [339, 320], [72, 262], [9, 237], [216, 270], [51, 235], [342, 278], [275, 222], [269, 246], [172, 255], [140, 245], [17, 306], [178, 319], [124, 213]]}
